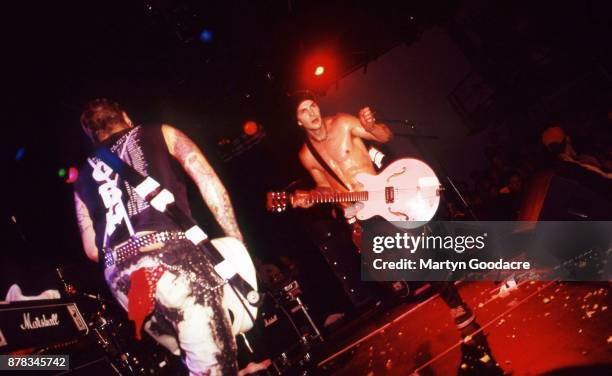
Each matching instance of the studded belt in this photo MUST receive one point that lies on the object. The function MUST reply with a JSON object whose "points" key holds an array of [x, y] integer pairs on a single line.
{"points": [[122, 253]]}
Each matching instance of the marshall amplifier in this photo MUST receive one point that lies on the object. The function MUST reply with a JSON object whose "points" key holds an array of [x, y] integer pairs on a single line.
{"points": [[35, 324], [284, 332]]}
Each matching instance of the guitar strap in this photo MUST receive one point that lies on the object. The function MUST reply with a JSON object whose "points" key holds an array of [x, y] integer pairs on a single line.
{"points": [[163, 200], [317, 156]]}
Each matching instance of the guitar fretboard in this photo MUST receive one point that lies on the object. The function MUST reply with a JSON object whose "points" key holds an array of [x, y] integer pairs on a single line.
{"points": [[338, 197]]}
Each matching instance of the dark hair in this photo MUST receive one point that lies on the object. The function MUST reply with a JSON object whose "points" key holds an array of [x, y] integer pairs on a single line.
{"points": [[101, 113], [298, 97], [556, 148]]}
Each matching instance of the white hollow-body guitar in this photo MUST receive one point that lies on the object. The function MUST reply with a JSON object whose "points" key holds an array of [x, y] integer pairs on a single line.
{"points": [[406, 193]]}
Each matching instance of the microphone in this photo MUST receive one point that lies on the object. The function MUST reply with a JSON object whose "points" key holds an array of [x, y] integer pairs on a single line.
{"points": [[68, 289], [60, 275], [408, 122]]}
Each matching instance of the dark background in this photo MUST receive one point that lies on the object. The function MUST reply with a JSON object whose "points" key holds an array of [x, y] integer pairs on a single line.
{"points": [[148, 56]]}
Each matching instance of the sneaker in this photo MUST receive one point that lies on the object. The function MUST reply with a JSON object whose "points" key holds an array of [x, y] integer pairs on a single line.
{"points": [[462, 315], [506, 287], [477, 358], [401, 289]]}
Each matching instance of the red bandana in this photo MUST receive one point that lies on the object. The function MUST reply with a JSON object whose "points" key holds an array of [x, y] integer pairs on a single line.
{"points": [[141, 297]]}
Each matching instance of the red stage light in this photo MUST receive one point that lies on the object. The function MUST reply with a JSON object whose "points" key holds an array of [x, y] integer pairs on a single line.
{"points": [[319, 68], [73, 175], [250, 128]]}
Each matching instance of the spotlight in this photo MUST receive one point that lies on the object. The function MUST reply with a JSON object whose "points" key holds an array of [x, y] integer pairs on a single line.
{"points": [[252, 134], [250, 128], [70, 175], [319, 69], [73, 175], [206, 36], [19, 154]]}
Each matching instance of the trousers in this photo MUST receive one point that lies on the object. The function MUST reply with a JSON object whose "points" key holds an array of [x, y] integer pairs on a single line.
{"points": [[188, 317]]}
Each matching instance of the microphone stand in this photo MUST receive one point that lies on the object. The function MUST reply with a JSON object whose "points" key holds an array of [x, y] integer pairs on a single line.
{"points": [[413, 130], [70, 290], [414, 135]]}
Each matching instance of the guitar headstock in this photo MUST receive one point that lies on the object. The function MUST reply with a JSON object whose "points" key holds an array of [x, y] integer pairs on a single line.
{"points": [[278, 201]]}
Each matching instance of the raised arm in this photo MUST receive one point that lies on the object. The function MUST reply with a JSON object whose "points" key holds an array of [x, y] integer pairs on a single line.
{"points": [[366, 127], [88, 235], [197, 167]]}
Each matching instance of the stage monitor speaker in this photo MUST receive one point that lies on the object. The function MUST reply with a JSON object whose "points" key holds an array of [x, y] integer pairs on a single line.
{"points": [[568, 200], [550, 197]]}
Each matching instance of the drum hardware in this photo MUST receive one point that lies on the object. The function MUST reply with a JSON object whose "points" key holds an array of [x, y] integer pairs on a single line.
{"points": [[290, 295], [107, 337], [110, 337], [291, 291], [297, 359], [285, 319]]}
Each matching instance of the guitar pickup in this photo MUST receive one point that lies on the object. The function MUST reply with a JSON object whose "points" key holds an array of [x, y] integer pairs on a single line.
{"points": [[389, 195]]}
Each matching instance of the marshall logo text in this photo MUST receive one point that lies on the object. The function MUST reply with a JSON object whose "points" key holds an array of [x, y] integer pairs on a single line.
{"points": [[38, 322]]}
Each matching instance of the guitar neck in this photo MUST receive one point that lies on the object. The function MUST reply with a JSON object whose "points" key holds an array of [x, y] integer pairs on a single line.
{"points": [[339, 197]]}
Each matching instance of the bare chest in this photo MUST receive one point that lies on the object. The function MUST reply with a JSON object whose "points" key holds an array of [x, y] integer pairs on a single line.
{"points": [[345, 154], [338, 147]]}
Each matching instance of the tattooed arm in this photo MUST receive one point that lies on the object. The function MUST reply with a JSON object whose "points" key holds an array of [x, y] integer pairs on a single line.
{"points": [[88, 236], [211, 188]]}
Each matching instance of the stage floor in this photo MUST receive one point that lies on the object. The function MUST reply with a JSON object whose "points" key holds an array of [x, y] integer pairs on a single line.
{"points": [[560, 328]]}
